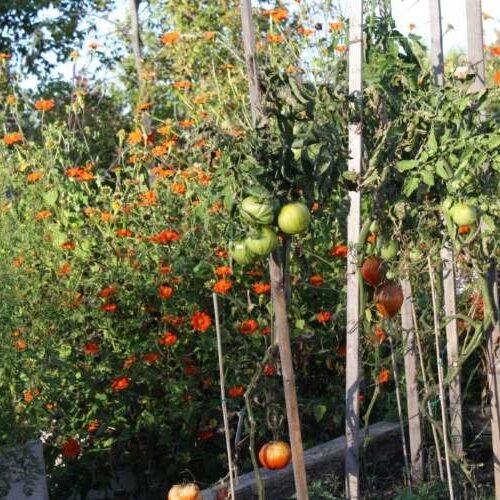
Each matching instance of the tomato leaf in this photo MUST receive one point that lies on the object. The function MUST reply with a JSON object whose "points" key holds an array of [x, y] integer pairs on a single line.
{"points": [[319, 412], [411, 183], [404, 165]]}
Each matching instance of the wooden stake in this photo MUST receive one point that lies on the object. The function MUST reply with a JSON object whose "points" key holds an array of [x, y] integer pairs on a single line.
{"points": [[136, 38], [442, 395], [278, 275], [223, 396], [452, 344], [353, 278], [410, 358], [475, 49]]}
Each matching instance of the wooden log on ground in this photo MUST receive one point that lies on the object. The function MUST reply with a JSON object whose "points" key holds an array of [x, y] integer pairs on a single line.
{"points": [[324, 458]]}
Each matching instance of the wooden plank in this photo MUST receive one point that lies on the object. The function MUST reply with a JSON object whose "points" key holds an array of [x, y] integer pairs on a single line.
{"points": [[353, 284], [278, 276], [325, 458], [452, 350], [412, 403], [475, 50], [437, 56]]}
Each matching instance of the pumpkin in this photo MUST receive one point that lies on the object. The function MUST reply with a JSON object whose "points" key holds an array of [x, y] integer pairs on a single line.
{"points": [[275, 455]]}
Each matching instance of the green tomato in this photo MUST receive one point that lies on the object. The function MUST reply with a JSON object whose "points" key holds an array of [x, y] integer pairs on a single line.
{"points": [[294, 218], [240, 253], [374, 227], [389, 250], [263, 243], [463, 214], [415, 254], [257, 211]]}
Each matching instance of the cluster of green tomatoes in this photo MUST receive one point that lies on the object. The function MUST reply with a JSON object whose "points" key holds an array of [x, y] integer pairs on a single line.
{"points": [[264, 215]]}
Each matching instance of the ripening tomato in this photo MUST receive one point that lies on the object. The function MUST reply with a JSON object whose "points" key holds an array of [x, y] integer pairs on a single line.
{"points": [[389, 299], [189, 491], [257, 211], [275, 455], [241, 254], [294, 218], [372, 271]]}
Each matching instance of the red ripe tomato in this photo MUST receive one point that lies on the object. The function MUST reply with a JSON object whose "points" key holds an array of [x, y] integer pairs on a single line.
{"points": [[275, 455], [372, 271], [389, 299]]}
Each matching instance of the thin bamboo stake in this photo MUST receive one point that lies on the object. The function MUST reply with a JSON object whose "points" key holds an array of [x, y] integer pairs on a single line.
{"points": [[440, 380], [353, 278], [136, 38], [223, 396], [400, 412], [427, 392], [475, 50], [414, 421], [452, 344], [278, 277]]}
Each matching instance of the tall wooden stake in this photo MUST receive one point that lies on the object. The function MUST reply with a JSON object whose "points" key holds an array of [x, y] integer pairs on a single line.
{"points": [[353, 231], [452, 345], [278, 274], [410, 357], [475, 49]]}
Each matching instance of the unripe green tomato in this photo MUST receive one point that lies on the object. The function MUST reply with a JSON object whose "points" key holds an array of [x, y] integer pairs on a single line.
{"points": [[463, 214], [415, 254], [263, 242], [240, 253], [257, 211], [389, 250], [294, 218]]}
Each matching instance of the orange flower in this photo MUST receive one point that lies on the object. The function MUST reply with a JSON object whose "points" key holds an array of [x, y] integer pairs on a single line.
{"points": [[216, 207], [144, 106], [236, 391], [120, 383], [91, 348], [316, 280], [384, 376], [221, 253], [64, 270], [277, 15], [222, 286], [34, 176], [4, 56], [165, 291], [109, 307], [173, 320], [168, 339], [380, 334], [28, 396], [223, 271], [278, 38], [129, 361], [209, 35], [165, 237], [495, 50], [496, 77], [151, 358], [164, 129], [11, 100], [93, 45], [336, 26], [45, 104], [165, 268], [248, 326], [305, 31], [70, 448], [261, 288], [20, 345], [170, 37], [18, 262], [182, 85], [341, 48], [178, 188], [186, 123], [191, 370], [148, 198], [108, 291], [323, 317], [12, 138], [339, 251], [201, 321], [265, 330], [43, 214], [269, 370], [106, 216], [68, 245], [93, 426], [124, 233], [135, 137]]}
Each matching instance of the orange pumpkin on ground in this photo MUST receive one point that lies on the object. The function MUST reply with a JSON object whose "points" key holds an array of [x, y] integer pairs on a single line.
{"points": [[189, 491], [275, 455]]}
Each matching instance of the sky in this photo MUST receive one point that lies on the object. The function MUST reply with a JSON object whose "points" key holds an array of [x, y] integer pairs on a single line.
{"points": [[405, 12]]}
